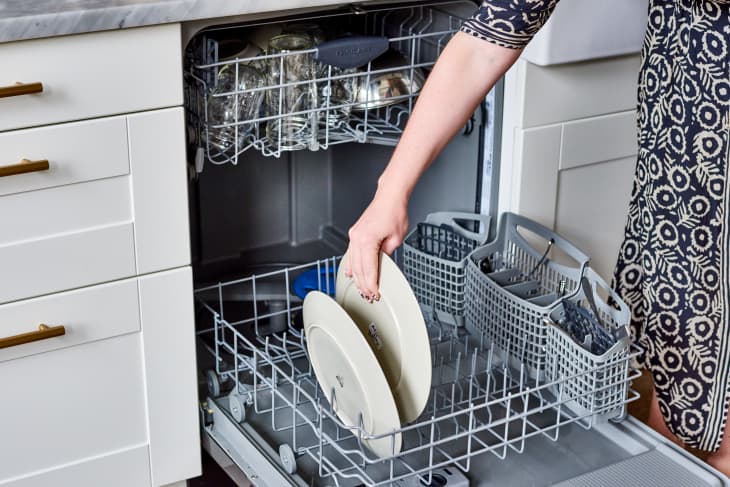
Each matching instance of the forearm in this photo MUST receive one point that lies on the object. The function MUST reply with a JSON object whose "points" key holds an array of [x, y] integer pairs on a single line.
{"points": [[466, 70]]}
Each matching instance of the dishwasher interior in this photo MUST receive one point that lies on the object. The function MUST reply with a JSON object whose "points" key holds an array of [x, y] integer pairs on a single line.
{"points": [[286, 140]]}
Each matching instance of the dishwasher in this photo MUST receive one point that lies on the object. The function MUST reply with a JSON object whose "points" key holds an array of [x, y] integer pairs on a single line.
{"points": [[290, 121]]}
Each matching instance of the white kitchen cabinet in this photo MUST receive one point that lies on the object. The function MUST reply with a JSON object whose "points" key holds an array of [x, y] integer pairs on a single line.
{"points": [[111, 205], [85, 314], [581, 30], [71, 404], [159, 189], [97, 242], [91, 75], [121, 379], [126, 468], [569, 150], [168, 328]]}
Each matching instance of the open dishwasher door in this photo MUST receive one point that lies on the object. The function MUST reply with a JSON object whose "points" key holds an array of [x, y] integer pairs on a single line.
{"points": [[626, 454], [486, 423]]}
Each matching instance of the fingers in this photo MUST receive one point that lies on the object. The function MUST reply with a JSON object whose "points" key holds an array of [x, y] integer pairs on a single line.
{"points": [[370, 270], [353, 259], [362, 264]]}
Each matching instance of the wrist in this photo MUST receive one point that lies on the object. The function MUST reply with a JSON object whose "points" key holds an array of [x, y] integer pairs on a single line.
{"points": [[395, 192]]}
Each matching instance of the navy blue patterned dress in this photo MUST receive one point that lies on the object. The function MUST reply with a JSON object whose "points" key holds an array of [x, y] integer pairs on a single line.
{"points": [[673, 265]]}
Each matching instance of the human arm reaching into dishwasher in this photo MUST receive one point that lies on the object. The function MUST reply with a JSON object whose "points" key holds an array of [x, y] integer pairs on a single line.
{"points": [[465, 72]]}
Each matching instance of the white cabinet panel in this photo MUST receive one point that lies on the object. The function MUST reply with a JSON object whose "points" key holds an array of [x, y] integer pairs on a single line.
{"points": [[66, 261], [76, 152], [159, 172], [88, 314], [589, 29], [71, 404], [168, 330], [592, 209], [128, 468], [599, 139], [568, 150], [556, 94], [539, 150], [92, 75], [120, 219], [66, 209]]}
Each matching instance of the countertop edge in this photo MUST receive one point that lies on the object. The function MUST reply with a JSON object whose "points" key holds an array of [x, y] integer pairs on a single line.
{"points": [[52, 24]]}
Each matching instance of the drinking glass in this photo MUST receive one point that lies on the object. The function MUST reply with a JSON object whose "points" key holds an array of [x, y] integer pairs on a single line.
{"points": [[294, 100], [230, 107]]}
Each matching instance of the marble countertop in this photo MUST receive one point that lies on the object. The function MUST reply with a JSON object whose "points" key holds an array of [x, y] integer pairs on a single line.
{"points": [[31, 19]]}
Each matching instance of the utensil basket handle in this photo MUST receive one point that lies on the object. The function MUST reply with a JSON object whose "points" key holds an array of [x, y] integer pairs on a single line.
{"points": [[508, 231], [452, 218]]}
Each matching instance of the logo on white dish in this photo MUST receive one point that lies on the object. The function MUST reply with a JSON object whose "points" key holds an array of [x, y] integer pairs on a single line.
{"points": [[373, 332]]}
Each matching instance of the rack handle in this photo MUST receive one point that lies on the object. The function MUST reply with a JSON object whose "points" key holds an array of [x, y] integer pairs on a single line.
{"points": [[43, 332], [20, 89], [24, 166], [450, 218], [352, 51]]}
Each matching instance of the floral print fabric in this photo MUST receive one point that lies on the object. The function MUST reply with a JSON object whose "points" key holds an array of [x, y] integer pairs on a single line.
{"points": [[673, 265]]}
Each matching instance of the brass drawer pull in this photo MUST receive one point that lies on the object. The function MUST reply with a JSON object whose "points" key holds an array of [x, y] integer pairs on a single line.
{"points": [[23, 167], [43, 332], [20, 89]]}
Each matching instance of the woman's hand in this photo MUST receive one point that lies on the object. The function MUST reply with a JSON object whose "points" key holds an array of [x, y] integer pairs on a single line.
{"points": [[382, 226]]}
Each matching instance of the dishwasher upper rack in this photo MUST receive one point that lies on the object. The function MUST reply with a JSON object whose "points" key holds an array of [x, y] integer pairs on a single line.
{"points": [[419, 33], [478, 403]]}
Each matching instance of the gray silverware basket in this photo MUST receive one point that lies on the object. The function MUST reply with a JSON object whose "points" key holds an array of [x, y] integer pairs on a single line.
{"points": [[511, 287]]}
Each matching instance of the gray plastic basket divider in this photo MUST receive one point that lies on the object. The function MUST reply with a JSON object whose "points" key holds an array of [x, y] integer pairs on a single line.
{"points": [[437, 282], [592, 384], [513, 324]]}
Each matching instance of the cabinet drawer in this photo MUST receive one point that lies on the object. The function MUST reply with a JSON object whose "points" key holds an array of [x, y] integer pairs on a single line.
{"points": [[87, 314], [128, 468], [76, 152], [70, 405], [113, 203], [66, 237], [91, 75]]}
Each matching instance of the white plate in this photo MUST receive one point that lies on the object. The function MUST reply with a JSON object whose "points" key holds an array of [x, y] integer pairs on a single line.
{"points": [[395, 329], [343, 361]]}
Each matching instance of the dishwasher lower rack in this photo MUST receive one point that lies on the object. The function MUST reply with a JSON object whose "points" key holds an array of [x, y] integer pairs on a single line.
{"points": [[478, 403]]}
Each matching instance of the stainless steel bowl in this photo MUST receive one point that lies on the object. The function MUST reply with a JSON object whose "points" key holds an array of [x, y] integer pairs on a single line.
{"points": [[383, 88]]}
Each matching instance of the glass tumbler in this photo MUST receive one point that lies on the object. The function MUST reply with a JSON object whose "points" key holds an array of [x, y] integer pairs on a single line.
{"points": [[231, 107], [293, 96], [337, 95]]}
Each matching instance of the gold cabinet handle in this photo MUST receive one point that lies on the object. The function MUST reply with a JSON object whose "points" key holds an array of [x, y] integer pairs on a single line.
{"points": [[23, 167], [20, 89], [43, 332]]}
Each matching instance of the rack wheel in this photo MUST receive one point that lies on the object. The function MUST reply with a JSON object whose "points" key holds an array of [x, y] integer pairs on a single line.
{"points": [[214, 385], [237, 406], [288, 461]]}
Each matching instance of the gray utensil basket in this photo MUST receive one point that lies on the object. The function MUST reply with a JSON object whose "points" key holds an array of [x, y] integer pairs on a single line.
{"points": [[435, 254], [511, 287], [592, 384]]}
